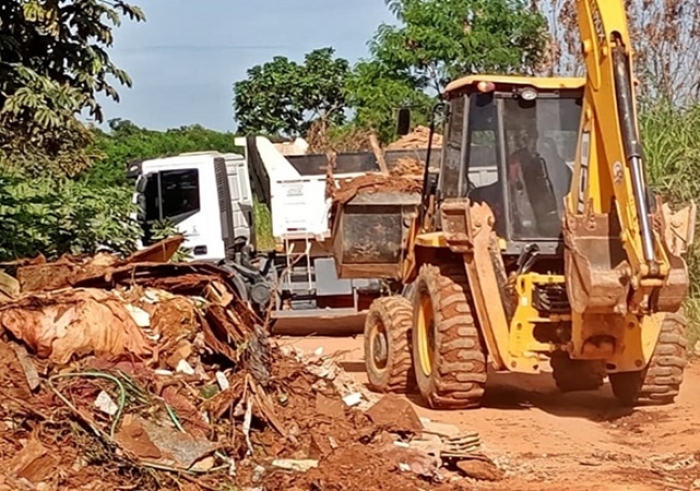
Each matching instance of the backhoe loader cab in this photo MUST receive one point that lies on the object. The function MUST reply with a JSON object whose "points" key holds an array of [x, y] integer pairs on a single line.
{"points": [[528, 129], [486, 272]]}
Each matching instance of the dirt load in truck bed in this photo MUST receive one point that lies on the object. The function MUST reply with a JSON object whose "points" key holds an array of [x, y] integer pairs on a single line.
{"points": [[418, 138], [408, 167], [375, 183], [405, 176]]}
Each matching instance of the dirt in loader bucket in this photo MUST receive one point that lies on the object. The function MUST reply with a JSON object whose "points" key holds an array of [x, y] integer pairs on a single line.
{"points": [[370, 213]]}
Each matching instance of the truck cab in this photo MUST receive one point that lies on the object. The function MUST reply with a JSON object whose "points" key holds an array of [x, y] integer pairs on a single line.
{"points": [[186, 191]]}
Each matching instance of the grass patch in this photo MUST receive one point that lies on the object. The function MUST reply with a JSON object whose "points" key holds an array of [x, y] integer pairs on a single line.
{"points": [[692, 311], [262, 220], [671, 139]]}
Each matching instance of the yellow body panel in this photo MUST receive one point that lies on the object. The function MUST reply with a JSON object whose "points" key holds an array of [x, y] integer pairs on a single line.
{"points": [[431, 239], [524, 349], [635, 337]]}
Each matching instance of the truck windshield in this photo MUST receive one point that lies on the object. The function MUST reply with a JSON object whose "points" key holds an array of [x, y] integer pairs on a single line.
{"points": [[540, 139]]}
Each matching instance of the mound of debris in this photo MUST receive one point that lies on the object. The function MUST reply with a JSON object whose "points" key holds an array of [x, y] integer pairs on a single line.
{"points": [[418, 138], [408, 167], [374, 183], [144, 374]]}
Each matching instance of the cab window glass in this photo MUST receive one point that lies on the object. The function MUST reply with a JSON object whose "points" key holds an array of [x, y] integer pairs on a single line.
{"points": [[453, 150]]}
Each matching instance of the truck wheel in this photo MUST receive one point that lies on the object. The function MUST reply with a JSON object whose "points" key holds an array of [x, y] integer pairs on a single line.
{"points": [[448, 352], [660, 381], [576, 375], [387, 345]]}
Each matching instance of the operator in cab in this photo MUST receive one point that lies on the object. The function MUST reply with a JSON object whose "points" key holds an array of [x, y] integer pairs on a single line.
{"points": [[528, 181]]}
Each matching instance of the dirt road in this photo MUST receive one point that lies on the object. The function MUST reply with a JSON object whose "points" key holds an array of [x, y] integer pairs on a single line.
{"points": [[568, 442]]}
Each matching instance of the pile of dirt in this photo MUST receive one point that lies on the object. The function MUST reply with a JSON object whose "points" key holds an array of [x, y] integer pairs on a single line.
{"points": [[347, 189], [418, 138], [406, 166], [321, 140], [155, 376]]}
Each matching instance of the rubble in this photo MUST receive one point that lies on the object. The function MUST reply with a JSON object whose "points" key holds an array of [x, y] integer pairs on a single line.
{"points": [[408, 167], [482, 469], [374, 183], [153, 375], [63, 324], [395, 414], [418, 138]]}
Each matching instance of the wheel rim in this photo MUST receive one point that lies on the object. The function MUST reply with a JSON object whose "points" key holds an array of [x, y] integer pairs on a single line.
{"points": [[379, 346], [426, 340]]}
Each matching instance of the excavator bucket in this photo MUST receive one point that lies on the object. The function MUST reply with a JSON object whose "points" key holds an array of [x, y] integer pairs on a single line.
{"points": [[597, 268], [596, 264], [370, 234]]}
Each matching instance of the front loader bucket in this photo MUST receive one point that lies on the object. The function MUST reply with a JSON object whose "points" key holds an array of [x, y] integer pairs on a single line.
{"points": [[370, 234]]}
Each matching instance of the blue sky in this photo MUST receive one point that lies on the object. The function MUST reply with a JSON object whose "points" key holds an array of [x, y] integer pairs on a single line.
{"points": [[184, 59]]}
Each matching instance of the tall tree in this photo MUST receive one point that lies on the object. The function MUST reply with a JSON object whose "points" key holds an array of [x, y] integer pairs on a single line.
{"points": [[284, 97], [53, 65], [663, 33], [437, 41], [376, 91]]}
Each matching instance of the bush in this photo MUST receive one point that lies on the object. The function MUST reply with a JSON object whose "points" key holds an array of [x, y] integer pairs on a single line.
{"points": [[54, 217], [671, 138], [126, 142]]}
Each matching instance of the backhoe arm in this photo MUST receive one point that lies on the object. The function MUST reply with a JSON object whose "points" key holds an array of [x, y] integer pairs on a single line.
{"points": [[617, 260]]}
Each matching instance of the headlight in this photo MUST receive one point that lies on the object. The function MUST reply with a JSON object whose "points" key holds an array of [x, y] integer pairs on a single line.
{"points": [[528, 94]]}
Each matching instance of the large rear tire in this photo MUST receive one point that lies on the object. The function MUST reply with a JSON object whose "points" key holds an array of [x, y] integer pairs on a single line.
{"points": [[448, 352], [388, 345], [659, 383]]}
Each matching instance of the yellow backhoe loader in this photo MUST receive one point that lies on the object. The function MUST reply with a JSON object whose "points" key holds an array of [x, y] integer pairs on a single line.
{"points": [[566, 258]]}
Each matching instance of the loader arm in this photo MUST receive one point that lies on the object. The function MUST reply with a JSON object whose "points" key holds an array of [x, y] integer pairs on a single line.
{"points": [[616, 260]]}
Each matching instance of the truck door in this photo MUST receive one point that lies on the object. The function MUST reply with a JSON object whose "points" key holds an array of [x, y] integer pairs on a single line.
{"points": [[177, 196]]}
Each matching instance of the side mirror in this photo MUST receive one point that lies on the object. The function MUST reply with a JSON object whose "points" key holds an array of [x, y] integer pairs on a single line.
{"points": [[142, 182], [404, 123]]}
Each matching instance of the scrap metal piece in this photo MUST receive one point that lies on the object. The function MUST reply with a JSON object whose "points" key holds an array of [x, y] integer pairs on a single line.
{"points": [[455, 442]]}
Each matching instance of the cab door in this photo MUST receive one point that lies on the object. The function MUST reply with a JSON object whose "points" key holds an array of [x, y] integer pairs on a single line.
{"points": [[178, 196]]}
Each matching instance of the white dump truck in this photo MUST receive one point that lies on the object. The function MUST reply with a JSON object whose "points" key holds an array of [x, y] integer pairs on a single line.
{"points": [[221, 203]]}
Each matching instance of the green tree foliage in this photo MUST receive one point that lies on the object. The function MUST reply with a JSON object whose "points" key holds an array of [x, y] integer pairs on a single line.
{"points": [[284, 97], [375, 91], [54, 63], [435, 42], [55, 217], [440, 40], [126, 142]]}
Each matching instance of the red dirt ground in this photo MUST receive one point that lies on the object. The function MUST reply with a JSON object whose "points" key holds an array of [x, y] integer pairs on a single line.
{"points": [[567, 442]]}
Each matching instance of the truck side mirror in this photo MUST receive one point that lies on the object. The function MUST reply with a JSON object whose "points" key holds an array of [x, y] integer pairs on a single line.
{"points": [[142, 182], [404, 122]]}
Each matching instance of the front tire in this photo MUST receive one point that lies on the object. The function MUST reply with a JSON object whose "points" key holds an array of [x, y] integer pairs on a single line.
{"points": [[387, 339], [659, 383], [448, 351]]}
